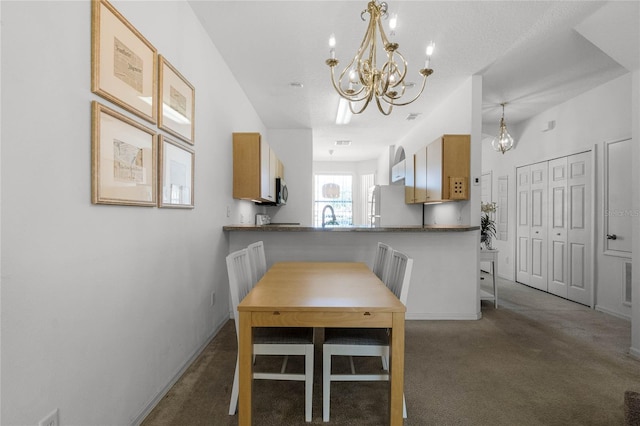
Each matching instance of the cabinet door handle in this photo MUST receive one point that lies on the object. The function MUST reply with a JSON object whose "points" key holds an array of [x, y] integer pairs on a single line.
{"points": [[612, 237]]}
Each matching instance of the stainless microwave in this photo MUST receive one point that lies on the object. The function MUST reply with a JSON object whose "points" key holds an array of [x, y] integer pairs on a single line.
{"points": [[282, 193]]}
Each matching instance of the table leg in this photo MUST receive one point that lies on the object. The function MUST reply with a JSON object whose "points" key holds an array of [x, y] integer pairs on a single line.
{"points": [[245, 351], [396, 369], [494, 272]]}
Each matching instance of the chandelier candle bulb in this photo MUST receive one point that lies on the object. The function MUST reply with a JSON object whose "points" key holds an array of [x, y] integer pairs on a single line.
{"points": [[429, 52], [393, 22], [332, 46]]}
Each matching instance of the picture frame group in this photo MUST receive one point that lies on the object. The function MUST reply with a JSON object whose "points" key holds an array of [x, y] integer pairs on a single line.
{"points": [[132, 163]]}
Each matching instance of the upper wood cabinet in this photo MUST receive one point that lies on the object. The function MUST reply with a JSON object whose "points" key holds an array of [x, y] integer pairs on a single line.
{"points": [[409, 180], [420, 175], [448, 168], [440, 171], [255, 167]]}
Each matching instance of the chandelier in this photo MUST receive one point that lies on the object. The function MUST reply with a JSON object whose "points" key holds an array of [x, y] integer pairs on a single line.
{"points": [[362, 80], [503, 142]]}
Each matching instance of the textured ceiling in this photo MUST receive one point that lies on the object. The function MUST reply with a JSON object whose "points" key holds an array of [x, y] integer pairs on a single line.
{"points": [[528, 52]]}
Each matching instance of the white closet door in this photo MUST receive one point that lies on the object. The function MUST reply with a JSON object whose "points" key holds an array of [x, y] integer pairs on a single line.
{"points": [[523, 262], [539, 228], [579, 227], [558, 273]]}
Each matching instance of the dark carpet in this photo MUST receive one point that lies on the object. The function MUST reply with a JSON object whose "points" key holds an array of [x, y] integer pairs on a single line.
{"points": [[536, 360]]}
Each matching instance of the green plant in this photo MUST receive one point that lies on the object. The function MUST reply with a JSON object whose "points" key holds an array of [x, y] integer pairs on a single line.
{"points": [[487, 225]]}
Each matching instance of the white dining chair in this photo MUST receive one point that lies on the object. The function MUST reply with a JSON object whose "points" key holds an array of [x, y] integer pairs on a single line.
{"points": [[269, 340], [258, 260], [364, 341], [381, 260]]}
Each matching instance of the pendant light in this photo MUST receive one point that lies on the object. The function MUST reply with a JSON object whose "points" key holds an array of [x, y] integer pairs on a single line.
{"points": [[503, 142]]}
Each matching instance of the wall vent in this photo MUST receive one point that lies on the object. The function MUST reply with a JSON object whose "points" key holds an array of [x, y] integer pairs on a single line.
{"points": [[412, 116], [343, 143]]}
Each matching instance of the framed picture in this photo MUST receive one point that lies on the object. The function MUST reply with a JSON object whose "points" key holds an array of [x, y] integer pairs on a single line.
{"points": [[176, 102], [124, 160], [123, 63], [175, 176]]}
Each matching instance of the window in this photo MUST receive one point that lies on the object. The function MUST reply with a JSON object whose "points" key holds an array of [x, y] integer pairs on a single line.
{"points": [[333, 196]]}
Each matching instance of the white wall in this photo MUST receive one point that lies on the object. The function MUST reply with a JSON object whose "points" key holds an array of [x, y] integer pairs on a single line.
{"points": [[635, 292], [295, 150], [102, 306], [602, 114]]}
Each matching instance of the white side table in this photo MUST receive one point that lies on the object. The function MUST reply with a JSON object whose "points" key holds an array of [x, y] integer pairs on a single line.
{"points": [[490, 256]]}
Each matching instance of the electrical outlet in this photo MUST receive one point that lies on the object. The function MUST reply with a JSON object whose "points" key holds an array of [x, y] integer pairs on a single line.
{"points": [[241, 218], [213, 298], [51, 419], [228, 211]]}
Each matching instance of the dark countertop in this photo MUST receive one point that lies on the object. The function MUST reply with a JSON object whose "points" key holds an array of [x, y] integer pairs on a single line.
{"points": [[299, 228]]}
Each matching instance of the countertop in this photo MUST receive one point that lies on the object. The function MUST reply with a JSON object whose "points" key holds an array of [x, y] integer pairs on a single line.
{"points": [[299, 228]]}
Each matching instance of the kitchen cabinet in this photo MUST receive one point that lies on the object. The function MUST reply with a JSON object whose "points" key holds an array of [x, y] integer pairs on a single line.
{"points": [[409, 180], [420, 175], [255, 168], [398, 171], [439, 171], [448, 168]]}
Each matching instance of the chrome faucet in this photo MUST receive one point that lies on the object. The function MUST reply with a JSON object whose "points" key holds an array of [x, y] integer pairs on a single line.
{"points": [[333, 220]]}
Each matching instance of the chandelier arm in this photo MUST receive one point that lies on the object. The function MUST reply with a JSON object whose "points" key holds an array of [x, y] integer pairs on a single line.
{"points": [[380, 106], [383, 36], [366, 103], [391, 102], [404, 66]]}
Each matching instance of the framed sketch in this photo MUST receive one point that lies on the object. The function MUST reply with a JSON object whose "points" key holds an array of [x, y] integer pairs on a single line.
{"points": [[124, 66], [175, 174], [124, 160], [176, 102]]}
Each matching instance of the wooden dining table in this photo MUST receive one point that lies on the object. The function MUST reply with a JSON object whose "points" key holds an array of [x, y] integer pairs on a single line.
{"points": [[321, 294]]}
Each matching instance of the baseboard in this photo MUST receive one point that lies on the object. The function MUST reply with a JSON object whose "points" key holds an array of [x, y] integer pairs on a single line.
{"points": [[448, 316], [145, 412], [635, 353], [612, 313]]}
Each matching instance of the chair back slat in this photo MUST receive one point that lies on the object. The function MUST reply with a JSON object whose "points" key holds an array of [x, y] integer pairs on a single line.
{"points": [[240, 279], [399, 275], [381, 261], [258, 260]]}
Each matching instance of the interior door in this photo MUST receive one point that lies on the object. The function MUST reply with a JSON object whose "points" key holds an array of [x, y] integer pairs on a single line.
{"points": [[523, 188], [615, 259], [579, 228], [538, 229], [558, 227]]}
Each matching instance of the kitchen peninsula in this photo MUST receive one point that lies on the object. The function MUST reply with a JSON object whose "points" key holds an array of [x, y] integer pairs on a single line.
{"points": [[444, 282]]}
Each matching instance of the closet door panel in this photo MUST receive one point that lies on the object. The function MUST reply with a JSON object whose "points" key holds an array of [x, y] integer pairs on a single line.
{"points": [[523, 254], [579, 228], [558, 252], [538, 228]]}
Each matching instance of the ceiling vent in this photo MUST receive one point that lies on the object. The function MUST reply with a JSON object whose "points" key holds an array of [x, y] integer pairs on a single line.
{"points": [[343, 143], [412, 116]]}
